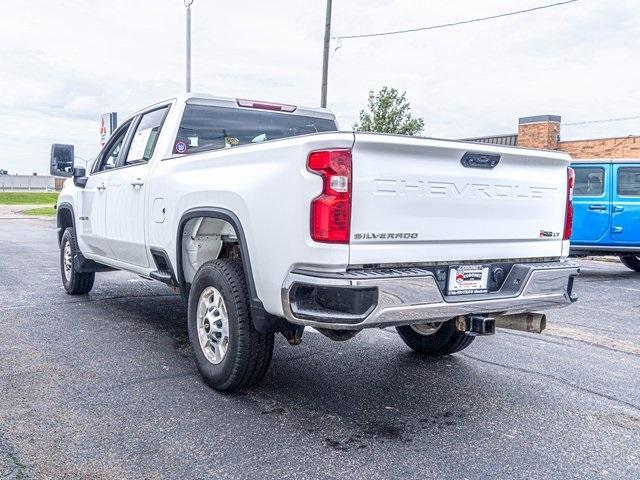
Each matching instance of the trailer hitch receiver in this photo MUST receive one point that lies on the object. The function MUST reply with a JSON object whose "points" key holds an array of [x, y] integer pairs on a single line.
{"points": [[476, 325]]}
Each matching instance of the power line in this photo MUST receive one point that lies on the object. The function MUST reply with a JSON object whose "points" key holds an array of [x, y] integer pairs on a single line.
{"points": [[606, 120], [453, 24]]}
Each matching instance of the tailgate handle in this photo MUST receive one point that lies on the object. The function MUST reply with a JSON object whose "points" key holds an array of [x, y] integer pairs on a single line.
{"points": [[479, 160]]}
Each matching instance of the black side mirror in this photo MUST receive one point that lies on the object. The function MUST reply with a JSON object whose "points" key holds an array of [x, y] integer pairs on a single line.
{"points": [[61, 164], [80, 177]]}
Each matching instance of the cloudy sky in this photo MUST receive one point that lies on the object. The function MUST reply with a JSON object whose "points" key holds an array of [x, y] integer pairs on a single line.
{"points": [[65, 62]]}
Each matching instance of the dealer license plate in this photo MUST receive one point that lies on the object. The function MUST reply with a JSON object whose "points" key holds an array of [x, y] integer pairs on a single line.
{"points": [[467, 279]]}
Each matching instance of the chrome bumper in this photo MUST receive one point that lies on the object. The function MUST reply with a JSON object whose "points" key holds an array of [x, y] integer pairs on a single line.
{"points": [[412, 295]]}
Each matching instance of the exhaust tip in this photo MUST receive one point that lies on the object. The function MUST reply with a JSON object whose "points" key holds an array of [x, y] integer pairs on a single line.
{"points": [[543, 323], [524, 322]]}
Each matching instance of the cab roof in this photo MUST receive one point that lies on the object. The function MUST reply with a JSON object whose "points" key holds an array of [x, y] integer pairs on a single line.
{"points": [[229, 102]]}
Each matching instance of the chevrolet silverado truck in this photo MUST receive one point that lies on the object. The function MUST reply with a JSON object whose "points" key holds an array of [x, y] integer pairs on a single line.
{"points": [[268, 219]]}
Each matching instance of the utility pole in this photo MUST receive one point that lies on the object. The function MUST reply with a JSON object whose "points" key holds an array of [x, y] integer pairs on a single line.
{"points": [[187, 3], [325, 57]]}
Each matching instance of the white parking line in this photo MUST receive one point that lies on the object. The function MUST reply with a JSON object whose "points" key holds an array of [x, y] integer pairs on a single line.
{"points": [[630, 289]]}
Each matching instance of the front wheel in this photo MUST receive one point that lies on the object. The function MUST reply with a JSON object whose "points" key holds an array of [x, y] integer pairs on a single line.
{"points": [[75, 283], [433, 339], [631, 261], [230, 353]]}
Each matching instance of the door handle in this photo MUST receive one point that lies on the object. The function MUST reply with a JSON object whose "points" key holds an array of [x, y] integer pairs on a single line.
{"points": [[101, 187], [618, 208], [616, 229], [137, 183], [599, 208]]}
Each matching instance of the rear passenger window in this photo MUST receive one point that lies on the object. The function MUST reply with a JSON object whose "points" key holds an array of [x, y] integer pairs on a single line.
{"points": [[144, 139], [589, 182], [629, 181]]}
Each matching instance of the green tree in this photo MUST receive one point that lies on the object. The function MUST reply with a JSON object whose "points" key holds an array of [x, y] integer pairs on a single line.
{"points": [[388, 112]]}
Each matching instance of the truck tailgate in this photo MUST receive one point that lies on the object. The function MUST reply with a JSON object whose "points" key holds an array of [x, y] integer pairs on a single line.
{"points": [[414, 201]]}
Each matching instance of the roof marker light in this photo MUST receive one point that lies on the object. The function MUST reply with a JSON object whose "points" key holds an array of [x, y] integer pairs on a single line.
{"points": [[276, 107]]}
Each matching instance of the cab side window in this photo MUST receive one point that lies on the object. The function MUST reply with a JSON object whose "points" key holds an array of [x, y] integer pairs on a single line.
{"points": [[589, 182], [629, 181], [146, 136], [109, 158]]}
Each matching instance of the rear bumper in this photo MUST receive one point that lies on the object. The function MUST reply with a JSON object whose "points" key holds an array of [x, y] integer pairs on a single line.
{"points": [[382, 297]]}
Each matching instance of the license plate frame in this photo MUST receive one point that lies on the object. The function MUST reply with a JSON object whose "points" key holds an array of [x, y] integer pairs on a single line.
{"points": [[468, 279]]}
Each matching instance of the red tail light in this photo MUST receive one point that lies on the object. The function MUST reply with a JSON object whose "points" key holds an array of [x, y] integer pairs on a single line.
{"points": [[568, 216], [331, 210]]}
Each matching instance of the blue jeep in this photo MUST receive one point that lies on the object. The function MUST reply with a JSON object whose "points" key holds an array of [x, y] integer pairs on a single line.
{"points": [[606, 202]]}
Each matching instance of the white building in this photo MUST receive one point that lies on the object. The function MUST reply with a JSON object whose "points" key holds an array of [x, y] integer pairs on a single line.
{"points": [[26, 182]]}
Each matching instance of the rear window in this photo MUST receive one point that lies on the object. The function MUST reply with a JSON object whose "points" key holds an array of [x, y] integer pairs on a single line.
{"points": [[629, 181], [589, 182], [205, 127]]}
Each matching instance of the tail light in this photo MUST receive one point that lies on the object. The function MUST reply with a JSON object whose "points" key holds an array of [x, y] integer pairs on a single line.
{"points": [[568, 216], [331, 210]]}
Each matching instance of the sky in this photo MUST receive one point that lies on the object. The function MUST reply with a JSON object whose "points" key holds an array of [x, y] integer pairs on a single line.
{"points": [[64, 63]]}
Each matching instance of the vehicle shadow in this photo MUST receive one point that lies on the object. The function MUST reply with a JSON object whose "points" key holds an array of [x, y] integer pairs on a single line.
{"points": [[351, 395]]}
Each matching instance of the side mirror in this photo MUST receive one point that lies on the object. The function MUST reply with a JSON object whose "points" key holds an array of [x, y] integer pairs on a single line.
{"points": [[80, 177], [61, 164]]}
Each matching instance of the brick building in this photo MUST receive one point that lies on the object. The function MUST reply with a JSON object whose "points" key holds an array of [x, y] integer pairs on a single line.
{"points": [[543, 131]]}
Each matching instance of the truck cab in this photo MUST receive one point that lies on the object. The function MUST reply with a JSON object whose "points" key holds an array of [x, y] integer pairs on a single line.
{"points": [[606, 202]]}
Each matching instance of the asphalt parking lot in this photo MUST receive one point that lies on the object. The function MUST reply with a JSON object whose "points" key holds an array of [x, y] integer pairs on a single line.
{"points": [[105, 386]]}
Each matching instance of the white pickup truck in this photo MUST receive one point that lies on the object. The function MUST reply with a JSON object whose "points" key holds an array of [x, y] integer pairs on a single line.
{"points": [[268, 219]]}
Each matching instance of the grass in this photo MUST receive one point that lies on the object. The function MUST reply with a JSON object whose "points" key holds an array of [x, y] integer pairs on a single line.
{"points": [[28, 198], [41, 212]]}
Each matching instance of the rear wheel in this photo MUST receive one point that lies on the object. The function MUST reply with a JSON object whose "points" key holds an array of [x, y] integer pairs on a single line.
{"points": [[230, 353], [631, 261], [74, 283], [434, 339]]}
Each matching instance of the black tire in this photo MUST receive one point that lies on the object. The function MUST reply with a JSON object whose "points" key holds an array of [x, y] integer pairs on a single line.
{"points": [[445, 341], [249, 352], [631, 261], [74, 283]]}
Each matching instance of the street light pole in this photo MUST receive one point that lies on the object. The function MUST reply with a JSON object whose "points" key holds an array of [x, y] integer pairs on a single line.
{"points": [[325, 57], [187, 3]]}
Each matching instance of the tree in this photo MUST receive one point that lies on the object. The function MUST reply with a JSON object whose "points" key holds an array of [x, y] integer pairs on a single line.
{"points": [[389, 112]]}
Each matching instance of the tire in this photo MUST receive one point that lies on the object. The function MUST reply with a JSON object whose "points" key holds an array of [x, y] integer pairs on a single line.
{"points": [[444, 341], [247, 352], [631, 261], [74, 283]]}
